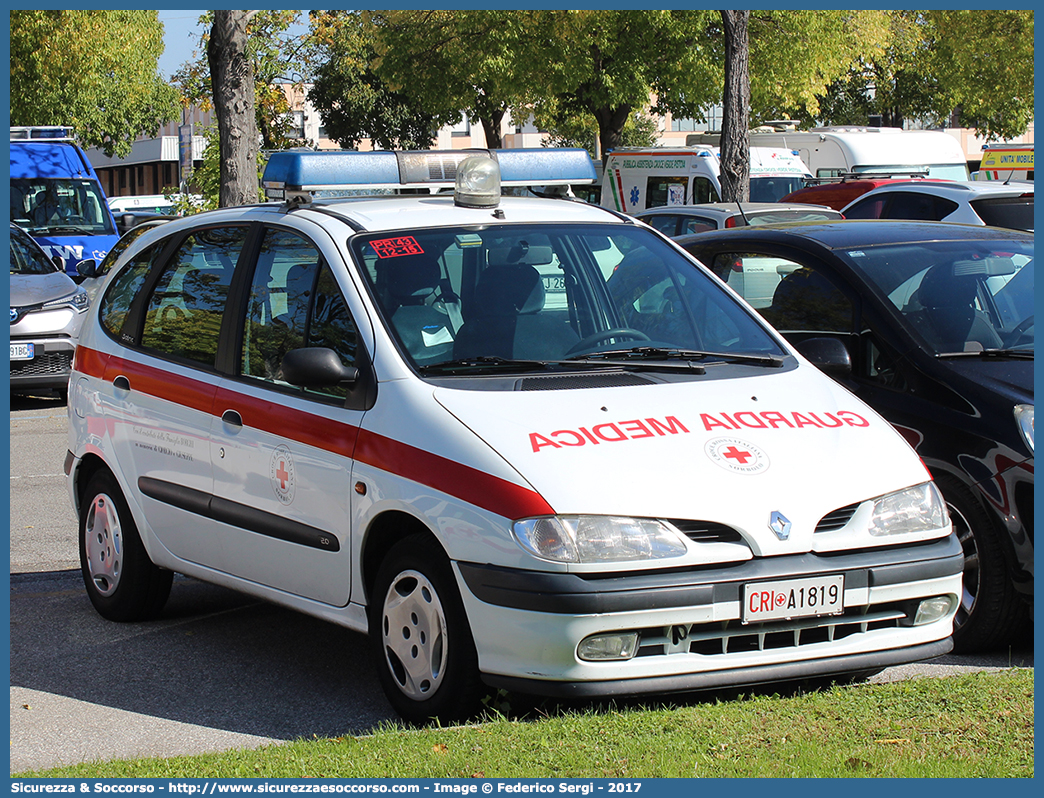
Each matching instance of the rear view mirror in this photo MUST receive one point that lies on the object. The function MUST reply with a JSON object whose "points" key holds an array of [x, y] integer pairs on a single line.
{"points": [[829, 355], [316, 367]]}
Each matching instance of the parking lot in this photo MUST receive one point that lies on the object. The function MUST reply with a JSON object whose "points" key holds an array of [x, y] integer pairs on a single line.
{"points": [[219, 671]]}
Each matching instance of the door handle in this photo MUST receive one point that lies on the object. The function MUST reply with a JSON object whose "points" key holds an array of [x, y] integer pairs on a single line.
{"points": [[121, 383], [232, 418]]}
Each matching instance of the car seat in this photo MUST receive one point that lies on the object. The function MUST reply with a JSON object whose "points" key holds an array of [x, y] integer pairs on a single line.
{"points": [[505, 319], [948, 319], [806, 301], [419, 305]]}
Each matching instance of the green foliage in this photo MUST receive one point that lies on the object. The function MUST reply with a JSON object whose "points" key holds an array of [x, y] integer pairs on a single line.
{"points": [[94, 70], [639, 131], [977, 63], [354, 100], [976, 725]]}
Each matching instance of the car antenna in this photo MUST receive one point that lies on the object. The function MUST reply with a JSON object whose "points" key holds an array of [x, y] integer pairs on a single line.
{"points": [[746, 221]]}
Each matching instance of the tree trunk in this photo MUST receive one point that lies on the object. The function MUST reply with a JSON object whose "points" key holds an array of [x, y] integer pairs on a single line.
{"points": [[232, 79], [735, 122], [611, 123]]}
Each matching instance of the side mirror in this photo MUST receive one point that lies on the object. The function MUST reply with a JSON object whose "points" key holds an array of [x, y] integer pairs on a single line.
{"points": [[829, 355], [87, 268], [316, 367]]}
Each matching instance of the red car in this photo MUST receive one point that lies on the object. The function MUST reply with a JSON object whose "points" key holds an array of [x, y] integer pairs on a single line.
{"points": [[838, 195]]}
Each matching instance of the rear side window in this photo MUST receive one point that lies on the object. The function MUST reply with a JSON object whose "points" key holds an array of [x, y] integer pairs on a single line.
{"points": [[183, 313], [923, 207], [1014, 213]]}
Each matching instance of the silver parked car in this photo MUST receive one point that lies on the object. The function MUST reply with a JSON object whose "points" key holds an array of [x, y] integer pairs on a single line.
{"points": [[47, 310]]}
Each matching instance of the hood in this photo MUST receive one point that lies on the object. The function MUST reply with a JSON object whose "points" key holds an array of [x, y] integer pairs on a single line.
{"points": [[35, 289], [1008, 378], [728, 450]]}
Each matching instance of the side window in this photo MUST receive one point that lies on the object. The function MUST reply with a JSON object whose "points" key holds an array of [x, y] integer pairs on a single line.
{"points": [[183, 314], [116, 302], [697, 225], [662, 191], [665, 224], [924, 207], [294, 302], [882, 367], [870, 208], [703, 190], [791, 297]]}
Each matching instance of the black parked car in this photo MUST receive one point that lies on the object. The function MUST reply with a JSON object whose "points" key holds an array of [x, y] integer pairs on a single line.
{"points": [[931, 323]]}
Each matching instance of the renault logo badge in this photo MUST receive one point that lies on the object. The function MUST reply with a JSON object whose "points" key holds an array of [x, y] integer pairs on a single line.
{"points": [[779, 524]]}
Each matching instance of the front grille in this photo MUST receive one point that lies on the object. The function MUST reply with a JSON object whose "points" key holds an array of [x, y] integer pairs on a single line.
{"points": [[568, 382], [49, 363], [707, 531], [837, 519], [731, 637]]}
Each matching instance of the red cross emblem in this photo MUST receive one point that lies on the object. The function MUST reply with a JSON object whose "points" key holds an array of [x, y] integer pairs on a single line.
{"points": [[737, 454], [283, 474]]}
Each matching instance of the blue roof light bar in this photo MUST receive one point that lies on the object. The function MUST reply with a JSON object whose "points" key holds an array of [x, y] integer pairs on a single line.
{"points": [[306, 172]]}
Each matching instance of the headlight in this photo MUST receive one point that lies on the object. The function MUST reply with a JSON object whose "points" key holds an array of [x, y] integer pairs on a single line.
{"points": [[1024, 418], [79, 301], [917, 509], [598, 538]]}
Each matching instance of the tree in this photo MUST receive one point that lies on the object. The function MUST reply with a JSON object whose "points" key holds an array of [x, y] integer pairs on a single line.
{"points": [[352, 98], [278, 59], [582, 131], [94, 70], [232, 78], [977, 63], [454, 62], [608, 63], [735, 123]]}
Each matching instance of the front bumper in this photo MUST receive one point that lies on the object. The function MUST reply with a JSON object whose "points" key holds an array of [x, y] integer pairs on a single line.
{"points": [[527, 625], [50, 366]]}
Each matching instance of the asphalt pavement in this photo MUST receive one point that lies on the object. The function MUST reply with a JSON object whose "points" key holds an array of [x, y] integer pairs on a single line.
{"points": [[219, 671]]}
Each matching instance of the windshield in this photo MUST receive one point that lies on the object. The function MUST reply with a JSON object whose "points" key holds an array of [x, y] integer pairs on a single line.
{"points": [[548, 292], [51, 206], [775, 187], [26, 258], [939, 171], [960, 297]]}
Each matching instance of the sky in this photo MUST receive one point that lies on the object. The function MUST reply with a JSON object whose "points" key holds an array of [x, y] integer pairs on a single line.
{"points": [[180, 38]]}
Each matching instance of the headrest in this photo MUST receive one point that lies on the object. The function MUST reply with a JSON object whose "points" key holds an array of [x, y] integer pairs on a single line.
{"points": [[949, 285], [507, 290], [411, 276]]}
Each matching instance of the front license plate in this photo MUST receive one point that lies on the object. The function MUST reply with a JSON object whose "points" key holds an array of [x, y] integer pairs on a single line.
{"points": [[793, 598], [21, 352]]}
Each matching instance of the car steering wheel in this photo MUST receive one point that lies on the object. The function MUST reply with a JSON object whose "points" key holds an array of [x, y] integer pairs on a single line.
{"points": [[605, 335], [1013, 337]]}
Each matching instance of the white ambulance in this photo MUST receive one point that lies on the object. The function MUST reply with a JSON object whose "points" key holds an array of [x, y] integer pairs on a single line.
{"points": [[522, 443], [636, 179]]}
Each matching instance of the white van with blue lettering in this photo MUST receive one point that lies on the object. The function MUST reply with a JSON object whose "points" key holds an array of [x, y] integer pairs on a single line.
{"points": [[521, 443]]}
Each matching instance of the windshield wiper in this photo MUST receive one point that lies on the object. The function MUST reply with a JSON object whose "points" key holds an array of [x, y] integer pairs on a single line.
{"points": [[484, 362], [64, 228], [1026, 354], [649, 353]]}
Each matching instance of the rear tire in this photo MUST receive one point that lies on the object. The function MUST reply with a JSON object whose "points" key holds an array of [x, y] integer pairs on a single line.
{"points": [[122, 582], [422, 644], [990, 610]]}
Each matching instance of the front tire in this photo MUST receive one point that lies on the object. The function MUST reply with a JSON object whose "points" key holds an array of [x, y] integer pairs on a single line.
{"points": [[990, 608], [122, 582], [422, 643]]}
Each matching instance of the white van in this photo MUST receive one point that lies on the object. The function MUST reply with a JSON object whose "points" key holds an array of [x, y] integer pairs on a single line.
{"points": [[836, 151], [143, 203], [1005, 162], [636, 179]]}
